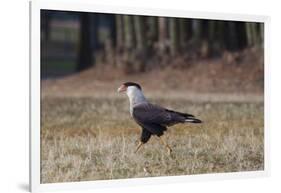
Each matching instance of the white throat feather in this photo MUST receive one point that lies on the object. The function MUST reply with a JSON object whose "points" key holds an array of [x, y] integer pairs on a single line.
{"points": [[135, 96]]}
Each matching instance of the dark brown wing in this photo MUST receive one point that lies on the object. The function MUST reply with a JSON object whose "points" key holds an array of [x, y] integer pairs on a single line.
{"points": [[150, 117], [149, 113], [155, 118]]}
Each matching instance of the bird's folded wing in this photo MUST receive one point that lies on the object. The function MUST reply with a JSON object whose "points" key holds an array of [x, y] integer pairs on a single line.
{"points": [[149, 113]]}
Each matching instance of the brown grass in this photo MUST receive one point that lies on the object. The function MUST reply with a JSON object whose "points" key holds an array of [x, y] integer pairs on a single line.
{"points": [[94, 138]]}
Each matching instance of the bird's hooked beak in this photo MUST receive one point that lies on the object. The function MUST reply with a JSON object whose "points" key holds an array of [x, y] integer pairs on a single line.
{"points": [[122, 88]]}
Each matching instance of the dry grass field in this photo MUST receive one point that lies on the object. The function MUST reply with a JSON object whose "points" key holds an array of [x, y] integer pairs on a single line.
{"points": [[94, 138]]}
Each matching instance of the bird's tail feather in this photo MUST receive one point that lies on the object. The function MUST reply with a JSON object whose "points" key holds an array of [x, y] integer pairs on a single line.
{"points": [[188, 118], [193, 120], [185, 115]]}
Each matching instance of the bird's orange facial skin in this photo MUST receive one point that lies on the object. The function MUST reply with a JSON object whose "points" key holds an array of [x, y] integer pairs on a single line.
{"points": [[122, 88]]}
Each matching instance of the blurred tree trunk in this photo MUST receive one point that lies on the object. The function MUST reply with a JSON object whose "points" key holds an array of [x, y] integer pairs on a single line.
{"points": [[204, 30], [220, 35], [140, 33], [110, 41], [211, 31], [241, 35], [255, 33], [252, 30], [128, 58], [211, 36], [85, 52], [112, 28], [183, 33], [162, 26], [45, 24], [261, 34], [119, 32], [174, 36], [152, 31], [94, 37], [196, 30], [251, 33], [232, 36], [128, 30], [141, 44], [248, 32]]}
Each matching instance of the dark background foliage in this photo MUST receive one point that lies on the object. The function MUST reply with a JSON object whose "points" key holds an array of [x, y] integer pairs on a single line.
{"points": [[75, 41]]}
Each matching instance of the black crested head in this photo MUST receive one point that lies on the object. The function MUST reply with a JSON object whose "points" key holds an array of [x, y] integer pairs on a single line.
{"points": [[132, 84]]}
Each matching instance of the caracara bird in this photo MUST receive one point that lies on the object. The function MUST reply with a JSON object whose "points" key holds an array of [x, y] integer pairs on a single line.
{"points": [[153, 119]]}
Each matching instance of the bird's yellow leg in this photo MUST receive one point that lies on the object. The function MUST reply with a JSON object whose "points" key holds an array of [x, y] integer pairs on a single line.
{"points": [[139, 146], [169, 149]]}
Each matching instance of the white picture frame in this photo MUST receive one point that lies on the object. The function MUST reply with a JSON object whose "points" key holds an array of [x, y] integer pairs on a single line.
{"points": [[36, 6]]}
